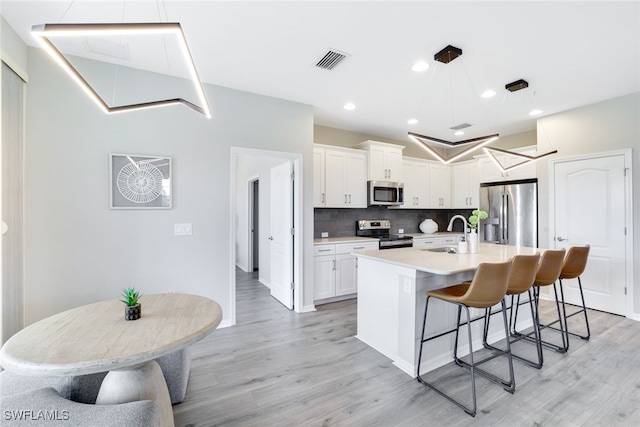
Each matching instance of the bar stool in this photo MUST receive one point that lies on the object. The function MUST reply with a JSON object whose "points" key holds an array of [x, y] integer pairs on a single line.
{"points": [[487, 289], [523, 275], [573, 267], [548, 273]]}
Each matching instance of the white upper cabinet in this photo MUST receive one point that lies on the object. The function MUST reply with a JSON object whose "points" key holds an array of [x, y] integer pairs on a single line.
{"points": [[385, 161], [466, 186], [416, 183], [439, 186], [489, 171], [345, 178], [318, 178]]}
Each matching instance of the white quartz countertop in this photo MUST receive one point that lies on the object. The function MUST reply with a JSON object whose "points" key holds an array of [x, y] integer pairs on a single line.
{"points": [[350, 239], [443, 263]]}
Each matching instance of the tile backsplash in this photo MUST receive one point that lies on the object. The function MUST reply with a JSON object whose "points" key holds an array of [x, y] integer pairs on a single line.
{"points": [[342, 222]]}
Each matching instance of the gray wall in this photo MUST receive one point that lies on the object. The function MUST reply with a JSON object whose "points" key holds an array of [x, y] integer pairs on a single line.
{"points": [[606, 126], [79, 251]]}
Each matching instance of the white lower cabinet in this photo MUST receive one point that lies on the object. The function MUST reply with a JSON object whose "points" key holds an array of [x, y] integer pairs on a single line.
{"points": [[336, 270]]}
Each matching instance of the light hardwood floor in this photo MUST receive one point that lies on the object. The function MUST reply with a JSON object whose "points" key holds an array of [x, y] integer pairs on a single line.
{"points": [[279, 368]]}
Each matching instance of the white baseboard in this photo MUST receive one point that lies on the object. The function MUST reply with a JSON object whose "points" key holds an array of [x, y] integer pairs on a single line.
{"points": [[308, 308], [264, 282], [225, 324], [243, 267], [634, 316]]}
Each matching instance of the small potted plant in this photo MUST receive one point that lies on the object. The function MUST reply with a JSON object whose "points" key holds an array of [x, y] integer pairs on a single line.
{"points": [[474, 220], [133, 309]]}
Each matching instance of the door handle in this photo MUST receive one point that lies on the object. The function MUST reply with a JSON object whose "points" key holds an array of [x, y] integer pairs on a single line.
{"points": [[561, 239]]}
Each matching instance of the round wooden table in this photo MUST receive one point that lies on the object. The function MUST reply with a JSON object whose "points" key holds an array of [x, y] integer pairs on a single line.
{"points": [[96, 338]]}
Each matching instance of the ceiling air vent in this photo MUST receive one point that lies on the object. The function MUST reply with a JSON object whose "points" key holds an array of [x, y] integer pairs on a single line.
{"points": [[331, 59], [460, 126]]}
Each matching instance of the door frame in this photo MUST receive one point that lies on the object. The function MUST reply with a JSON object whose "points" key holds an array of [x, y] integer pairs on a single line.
{"points": [[628, 212], [298, 238]]}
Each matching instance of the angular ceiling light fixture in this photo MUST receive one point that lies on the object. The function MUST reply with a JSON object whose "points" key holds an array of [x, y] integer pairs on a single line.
{"points": [[514, 87], [446, 55], [45, 32], [424, 141], [527, 159]]}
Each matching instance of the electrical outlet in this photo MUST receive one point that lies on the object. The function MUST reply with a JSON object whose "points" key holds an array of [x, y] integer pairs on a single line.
{"points": [[182, 230], [400, 230], [324, 234], [407, 285]]}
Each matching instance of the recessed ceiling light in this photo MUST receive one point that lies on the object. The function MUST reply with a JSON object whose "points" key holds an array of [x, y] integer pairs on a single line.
{"points": [[458, 133], [488, 93], [349, 106], [535, 112], [412, 121], [420, 66]]}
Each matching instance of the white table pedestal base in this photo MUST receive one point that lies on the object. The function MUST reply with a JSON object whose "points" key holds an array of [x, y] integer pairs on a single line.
{"points": [[142, 382]]}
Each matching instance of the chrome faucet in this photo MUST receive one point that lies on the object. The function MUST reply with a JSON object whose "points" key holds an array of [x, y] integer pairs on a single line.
{"points": [[466, 225]]}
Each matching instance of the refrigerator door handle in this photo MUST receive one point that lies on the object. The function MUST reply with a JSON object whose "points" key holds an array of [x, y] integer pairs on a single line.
{"points": [[506, 218]]}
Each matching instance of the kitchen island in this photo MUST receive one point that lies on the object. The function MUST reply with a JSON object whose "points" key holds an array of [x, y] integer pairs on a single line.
{"points": [[391, 297]]}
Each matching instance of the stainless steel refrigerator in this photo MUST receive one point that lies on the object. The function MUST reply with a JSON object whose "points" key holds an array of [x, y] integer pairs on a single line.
{"points": [[513, 213]]}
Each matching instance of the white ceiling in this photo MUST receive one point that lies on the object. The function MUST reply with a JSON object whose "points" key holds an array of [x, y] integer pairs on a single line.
{"points": [[571, 53]]}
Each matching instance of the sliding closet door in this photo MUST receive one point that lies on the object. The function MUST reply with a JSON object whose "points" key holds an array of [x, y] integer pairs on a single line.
{"points": [[12, 206]]}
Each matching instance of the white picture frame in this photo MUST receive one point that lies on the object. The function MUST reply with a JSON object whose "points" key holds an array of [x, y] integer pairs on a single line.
{"points": [[139, 182]]}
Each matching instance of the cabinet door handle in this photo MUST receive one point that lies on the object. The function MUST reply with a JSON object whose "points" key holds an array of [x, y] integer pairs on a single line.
{"points": [[349, 198], [345, 199], [323, 198], [333, 263], [470, 201], [359, 247], [324, 250]]}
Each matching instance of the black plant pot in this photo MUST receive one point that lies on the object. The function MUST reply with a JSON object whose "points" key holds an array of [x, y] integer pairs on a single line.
{"points": [[133, 312]]}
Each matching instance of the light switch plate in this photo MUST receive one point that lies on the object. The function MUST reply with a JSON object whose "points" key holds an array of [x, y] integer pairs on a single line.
{"points": [[182, 229], [324, 234], [400, 230]]}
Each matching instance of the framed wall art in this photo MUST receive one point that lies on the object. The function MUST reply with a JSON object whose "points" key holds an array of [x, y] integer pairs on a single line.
{"points": [[139, 182]]}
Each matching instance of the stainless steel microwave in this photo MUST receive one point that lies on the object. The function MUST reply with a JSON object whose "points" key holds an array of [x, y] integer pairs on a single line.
{"points": [[385, 193]]}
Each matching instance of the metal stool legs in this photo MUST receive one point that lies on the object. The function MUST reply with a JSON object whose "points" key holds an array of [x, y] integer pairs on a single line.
{"points": [[516, 336], [560, 309], [581, 310], [472, 366]]}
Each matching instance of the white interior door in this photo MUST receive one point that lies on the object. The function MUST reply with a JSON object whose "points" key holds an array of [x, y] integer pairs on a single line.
{"points": [[281, 235], [590, 209]]}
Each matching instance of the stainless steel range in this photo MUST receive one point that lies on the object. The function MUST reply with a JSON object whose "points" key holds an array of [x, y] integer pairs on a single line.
{"points": [[379, 229]]}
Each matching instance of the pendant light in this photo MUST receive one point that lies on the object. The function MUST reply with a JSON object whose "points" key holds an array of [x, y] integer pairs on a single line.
{"points": [[51, 36], [429, 143]]}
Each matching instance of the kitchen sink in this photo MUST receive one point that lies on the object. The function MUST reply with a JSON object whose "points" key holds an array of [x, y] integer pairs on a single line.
{"points": [[446, 249]]}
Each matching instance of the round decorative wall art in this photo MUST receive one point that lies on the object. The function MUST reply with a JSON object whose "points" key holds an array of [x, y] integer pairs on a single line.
{"points": [[140, 182]]}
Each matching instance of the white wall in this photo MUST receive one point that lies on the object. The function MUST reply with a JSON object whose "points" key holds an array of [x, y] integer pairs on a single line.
{"points": [[606, 126], [79, 251], [248, 167]]}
